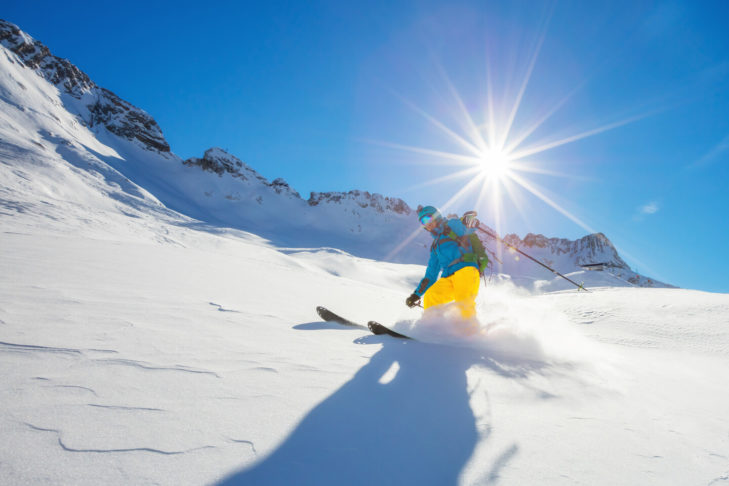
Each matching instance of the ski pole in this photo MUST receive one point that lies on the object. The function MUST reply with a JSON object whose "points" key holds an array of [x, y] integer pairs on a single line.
{"points": [[493, 255], [579, 286]]}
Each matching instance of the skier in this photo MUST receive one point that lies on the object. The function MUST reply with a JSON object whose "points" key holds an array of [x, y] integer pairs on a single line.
{"points": [[450, 254]]}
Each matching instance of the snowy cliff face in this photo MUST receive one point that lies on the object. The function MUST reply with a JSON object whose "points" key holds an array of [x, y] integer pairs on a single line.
{"points": [[66, 140], [567, 256], [125, 120], [590, 249], [35, 55], [95, 105], [222, 163], [379, 203]]}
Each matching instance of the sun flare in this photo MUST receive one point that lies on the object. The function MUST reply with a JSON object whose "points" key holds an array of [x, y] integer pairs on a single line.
{"points": [[494, 163], [496, 151]]}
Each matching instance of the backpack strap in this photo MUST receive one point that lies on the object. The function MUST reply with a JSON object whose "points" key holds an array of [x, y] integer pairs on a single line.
{"points": [[451, 235], [477, 254]]}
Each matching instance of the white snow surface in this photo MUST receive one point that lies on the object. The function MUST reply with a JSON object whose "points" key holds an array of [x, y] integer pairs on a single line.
{"points": [[163, 354], [142, 346]]}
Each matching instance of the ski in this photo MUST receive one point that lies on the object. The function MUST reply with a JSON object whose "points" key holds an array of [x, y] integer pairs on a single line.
{"points": [[379, 329], [373, 326], [330, 316]]}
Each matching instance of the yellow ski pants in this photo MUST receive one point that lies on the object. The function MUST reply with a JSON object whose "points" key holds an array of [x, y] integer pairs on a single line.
{"points": [[462, 287]]}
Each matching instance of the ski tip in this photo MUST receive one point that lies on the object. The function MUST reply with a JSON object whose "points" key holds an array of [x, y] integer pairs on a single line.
{"points": [[378, 329], [326, 314], [375, 328]]}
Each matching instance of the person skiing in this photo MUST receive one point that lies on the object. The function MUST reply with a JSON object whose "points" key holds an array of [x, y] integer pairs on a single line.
{"points": [[449, 254]]}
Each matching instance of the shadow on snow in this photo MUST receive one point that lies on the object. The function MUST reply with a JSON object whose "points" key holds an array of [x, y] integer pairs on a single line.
{"points": [[414, 428]]}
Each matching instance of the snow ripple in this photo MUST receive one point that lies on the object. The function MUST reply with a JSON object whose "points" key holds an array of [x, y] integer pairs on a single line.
{"points": [[153, 367], [108, 451]]}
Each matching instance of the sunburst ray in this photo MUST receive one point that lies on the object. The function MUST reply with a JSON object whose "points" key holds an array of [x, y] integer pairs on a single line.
{"points": [[540, 121], [466, 119], [438, 124], [540, 194], [438, 155], [518, 154], [522, 89], [472, 171]]}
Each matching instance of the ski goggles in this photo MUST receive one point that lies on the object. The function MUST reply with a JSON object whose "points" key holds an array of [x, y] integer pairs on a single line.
{"points": [[426, 219]]}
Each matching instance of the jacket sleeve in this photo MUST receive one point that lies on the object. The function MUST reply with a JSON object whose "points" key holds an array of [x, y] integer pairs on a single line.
{"points": [[431, 274], [458, 227]]}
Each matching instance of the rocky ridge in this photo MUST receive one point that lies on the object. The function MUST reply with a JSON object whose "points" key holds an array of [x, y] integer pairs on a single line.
{"points": [[363, 199], [222, 163], [590, 249], [103, 107]]}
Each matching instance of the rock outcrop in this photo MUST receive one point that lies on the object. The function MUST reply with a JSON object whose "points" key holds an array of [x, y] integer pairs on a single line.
{"points": [[363, 199], [102, 107]]}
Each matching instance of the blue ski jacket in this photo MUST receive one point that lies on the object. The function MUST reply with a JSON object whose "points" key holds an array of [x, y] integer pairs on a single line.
{"points": [[446, 253]]}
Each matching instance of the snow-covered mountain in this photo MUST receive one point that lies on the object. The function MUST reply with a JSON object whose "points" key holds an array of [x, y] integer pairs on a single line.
{"points": [[57, 117], [592, 258]]}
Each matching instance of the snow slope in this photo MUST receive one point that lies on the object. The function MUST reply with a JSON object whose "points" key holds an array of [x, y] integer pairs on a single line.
{"points": [[174, 355], [141, 346]]}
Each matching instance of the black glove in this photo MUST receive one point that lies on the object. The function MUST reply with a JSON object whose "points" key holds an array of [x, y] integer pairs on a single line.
{"points": [[413, 300]]}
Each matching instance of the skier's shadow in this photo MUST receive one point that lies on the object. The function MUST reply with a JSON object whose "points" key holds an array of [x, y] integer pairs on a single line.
{"points": [[417, 428]]}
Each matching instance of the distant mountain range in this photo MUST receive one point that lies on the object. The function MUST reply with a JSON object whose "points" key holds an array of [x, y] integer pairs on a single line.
{"points": [[64, 139]]}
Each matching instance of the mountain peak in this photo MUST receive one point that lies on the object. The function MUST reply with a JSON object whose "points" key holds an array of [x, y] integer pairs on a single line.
{"points": [[35, 55], [590, 249], [221, 162], [98, 106]]}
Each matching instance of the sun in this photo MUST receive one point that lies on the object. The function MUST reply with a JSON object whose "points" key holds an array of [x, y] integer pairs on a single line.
{"points": [[494, 163]]}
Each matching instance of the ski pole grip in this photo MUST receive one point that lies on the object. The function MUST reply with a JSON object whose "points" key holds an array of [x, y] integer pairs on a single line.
{"points": [[469, 219]]}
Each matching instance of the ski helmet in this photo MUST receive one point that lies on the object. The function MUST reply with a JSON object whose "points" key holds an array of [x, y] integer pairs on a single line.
{"points": [[428, 213]]}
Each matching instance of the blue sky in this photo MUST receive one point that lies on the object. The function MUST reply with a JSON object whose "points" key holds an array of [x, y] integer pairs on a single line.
{"points": [[631, 100]]}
